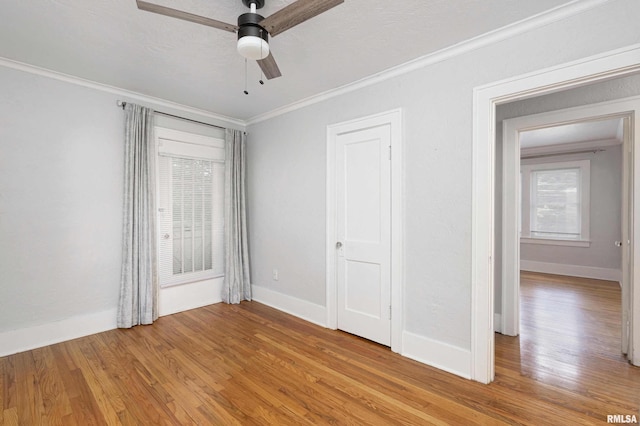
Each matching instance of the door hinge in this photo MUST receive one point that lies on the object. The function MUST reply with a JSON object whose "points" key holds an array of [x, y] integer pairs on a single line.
{"points": [[389, 152], [389, 311]]}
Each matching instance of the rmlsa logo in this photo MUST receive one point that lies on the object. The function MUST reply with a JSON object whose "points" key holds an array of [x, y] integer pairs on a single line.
{"points": [[622, 418]]}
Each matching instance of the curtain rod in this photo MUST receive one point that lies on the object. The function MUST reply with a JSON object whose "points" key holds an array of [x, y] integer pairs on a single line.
{"points": [[123, 104], [593, 151]]}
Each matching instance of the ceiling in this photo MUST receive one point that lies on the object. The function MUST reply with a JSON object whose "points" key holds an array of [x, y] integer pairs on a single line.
{"points": [[114, 43], [594, 132]]}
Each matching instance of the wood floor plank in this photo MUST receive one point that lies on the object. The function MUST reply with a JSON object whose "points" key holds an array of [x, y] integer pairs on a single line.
{"points": [[249, 364], [25, 388], [10, 417], [142, 400], [55, 404], [104, 394]]}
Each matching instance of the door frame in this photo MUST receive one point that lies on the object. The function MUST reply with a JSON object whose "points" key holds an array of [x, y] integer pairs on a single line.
{"points": [[393, 118], [619, 108], [608, 65]]}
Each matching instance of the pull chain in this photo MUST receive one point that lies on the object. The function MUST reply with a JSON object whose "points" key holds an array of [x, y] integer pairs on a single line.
{"points": [[261, 54], [245, 77]]}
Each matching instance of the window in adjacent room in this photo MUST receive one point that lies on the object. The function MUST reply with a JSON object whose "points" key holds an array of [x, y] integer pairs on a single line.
{"points": [[555, 202], [190, 207]]}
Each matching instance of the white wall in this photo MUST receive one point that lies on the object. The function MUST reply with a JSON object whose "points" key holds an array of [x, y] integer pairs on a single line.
{"points": [[61, 177], [287, 169]]}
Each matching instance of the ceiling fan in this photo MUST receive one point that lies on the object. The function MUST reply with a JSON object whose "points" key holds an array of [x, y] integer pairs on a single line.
{"points": [[253, 29]]}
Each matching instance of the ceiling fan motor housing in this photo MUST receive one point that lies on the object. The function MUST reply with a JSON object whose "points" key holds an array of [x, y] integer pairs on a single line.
{"points": [[253, 40], [249, 25]]}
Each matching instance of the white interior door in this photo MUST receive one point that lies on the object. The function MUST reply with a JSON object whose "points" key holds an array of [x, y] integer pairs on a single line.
{"points": [[363, 180]]}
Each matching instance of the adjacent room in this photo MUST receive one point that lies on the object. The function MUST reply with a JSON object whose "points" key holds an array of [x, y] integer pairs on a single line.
{"points": [[319, 211]]}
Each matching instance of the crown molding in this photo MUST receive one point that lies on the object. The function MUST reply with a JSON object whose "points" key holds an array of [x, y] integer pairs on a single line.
{"points": [[128, 94], [536, 21]]}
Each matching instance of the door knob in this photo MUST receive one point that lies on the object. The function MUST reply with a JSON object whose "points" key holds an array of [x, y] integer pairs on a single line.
{"points": [[339, 244], [618, 243], [166, 236]]}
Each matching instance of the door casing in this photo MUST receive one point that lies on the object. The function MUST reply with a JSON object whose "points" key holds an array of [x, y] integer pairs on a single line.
{"points": [[612, 64]]}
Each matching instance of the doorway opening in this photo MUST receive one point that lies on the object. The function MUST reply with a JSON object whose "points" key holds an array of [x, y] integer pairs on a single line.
{"points": [[566, 201], [599, 68], [564, 282]]}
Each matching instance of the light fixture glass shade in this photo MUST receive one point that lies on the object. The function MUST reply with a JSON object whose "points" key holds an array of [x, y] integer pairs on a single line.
{"points": [[252, 47]]}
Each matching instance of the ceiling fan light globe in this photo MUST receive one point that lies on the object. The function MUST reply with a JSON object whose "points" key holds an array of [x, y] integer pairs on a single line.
{"points": [[252, 47]]}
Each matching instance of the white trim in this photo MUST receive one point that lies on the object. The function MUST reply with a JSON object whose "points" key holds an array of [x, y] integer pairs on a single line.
{"points": [[25, 339], [437, 354], [308, 311], [607, 274], [555, 242], [512, 221], [127, 94], [394, 119], [536, 21], [617, 63], [331, 268], [184, 297]]}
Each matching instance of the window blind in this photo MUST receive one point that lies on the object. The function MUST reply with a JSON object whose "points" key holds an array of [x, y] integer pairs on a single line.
{"points": [[555, 203], [191, 216]]}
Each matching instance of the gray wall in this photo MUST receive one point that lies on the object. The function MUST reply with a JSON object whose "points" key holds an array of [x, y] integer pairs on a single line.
{"points": [[287, 161], [61, 177], [605, 217], [61, 172]]}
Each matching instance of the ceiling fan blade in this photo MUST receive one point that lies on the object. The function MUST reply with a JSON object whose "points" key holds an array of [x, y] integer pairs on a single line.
{"points": [[296, 13], [186, 16], [269, 67]]}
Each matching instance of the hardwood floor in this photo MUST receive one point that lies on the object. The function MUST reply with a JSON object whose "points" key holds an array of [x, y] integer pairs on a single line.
{"points": [[250, 364]]}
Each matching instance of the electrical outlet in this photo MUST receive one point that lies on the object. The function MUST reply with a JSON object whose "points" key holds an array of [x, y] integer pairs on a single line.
{"points": [[275, 275]]}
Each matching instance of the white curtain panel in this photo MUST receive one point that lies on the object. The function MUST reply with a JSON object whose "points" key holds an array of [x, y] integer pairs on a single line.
{"points": [[139, 281], [237, 285]]}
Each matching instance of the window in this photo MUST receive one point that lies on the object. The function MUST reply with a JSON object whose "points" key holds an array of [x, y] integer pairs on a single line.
{"points": [[555, 203], [190, 207]]}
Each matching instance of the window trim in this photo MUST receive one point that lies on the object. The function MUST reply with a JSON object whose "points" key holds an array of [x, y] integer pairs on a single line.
{"points": [[527, 168]]}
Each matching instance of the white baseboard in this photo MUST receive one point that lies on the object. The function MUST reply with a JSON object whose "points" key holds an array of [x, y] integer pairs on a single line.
{"points": [[189, 296], [308, 311], [497, 323], [592, 272], [437, 354], [24, 339]]}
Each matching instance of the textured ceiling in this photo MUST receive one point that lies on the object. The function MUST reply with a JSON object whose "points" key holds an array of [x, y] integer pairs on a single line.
{"points": [[585, 131], [112, 42]]}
